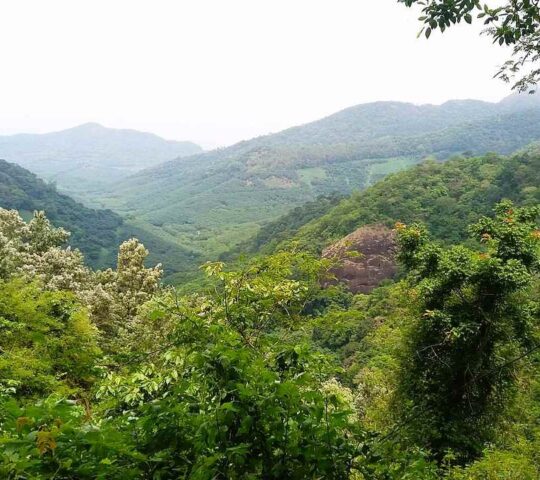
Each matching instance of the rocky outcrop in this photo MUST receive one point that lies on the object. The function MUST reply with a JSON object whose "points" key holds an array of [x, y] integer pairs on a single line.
{"points": [[367, 257]]}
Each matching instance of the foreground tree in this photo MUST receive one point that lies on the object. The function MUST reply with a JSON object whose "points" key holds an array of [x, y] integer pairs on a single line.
{"points": [[37, 251], [513, 22], [475, 322], [47, 342], [115, 296], [228, 392]]}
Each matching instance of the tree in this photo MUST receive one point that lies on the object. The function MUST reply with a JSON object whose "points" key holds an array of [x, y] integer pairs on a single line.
{"points": [[226, 393], [47, 343], [36, 251], [515, 23], [475, 321], [115, 296]]}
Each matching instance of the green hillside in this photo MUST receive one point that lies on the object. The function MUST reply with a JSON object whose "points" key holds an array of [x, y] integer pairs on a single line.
{"points": [[213, 202], [97, 233], [270, 374], [445, 196], [90, 155], [285, 227]]}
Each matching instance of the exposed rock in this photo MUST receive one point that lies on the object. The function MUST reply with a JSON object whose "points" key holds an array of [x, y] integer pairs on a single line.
{"points": [[367, 258]]}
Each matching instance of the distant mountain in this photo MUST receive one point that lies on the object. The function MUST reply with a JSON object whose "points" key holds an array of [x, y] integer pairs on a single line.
{"points": [[90, 155], [97, 233], [211, 202]]}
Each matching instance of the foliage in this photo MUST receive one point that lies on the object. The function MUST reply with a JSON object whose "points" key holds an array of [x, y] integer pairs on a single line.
{"points": [[220, 397], [54, 439], [95, 232], [474, 321], [268, 373], [47, 343], [115, 296], [514, 22], [34, 251]]}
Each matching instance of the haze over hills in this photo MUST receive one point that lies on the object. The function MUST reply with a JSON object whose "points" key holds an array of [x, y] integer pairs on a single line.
{"points": [[90, 155], [210, 202], [201, 206]]}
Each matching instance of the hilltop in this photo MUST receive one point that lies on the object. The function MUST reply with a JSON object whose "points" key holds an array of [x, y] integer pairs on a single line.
{"points": [[90, 155]]}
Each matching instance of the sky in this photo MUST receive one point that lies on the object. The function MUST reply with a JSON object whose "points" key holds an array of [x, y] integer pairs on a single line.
{"points": [[219, 71]]}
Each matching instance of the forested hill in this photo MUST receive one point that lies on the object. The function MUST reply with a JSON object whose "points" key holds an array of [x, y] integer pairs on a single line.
{"points": [[212, 202], [445, 196], [97, 233], [84, 157]]}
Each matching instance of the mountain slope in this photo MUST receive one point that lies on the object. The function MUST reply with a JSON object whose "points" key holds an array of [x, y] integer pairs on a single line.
{"points": [[90, 155], [445, 196], [213, 201], [97, 233]]}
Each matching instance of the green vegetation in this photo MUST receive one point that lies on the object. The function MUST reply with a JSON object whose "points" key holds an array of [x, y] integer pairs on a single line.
{"points": [[48, 343], [97, 233], [207, 205], [277, 231], [268, 374], [476, 318], [270, 368], [447, 197]]}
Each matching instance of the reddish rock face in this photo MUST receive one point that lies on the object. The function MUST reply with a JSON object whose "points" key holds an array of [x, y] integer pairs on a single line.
{"points": [[375, 262]]}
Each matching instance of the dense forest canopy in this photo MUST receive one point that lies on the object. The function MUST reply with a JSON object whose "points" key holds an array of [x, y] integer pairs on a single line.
{"points": [[273, 367], [445, 196], [96, 232]]}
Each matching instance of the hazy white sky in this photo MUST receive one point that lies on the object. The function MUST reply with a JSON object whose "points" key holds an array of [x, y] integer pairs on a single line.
{"points": [[218, 71]]}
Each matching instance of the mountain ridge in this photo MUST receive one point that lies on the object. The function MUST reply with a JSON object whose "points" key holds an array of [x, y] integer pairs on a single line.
{"points": [[510, 104], [88, 156]]}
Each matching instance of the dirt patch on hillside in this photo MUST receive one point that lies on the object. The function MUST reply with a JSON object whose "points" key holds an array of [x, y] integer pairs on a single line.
{"points": [[368, 256], [278, 182]]}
